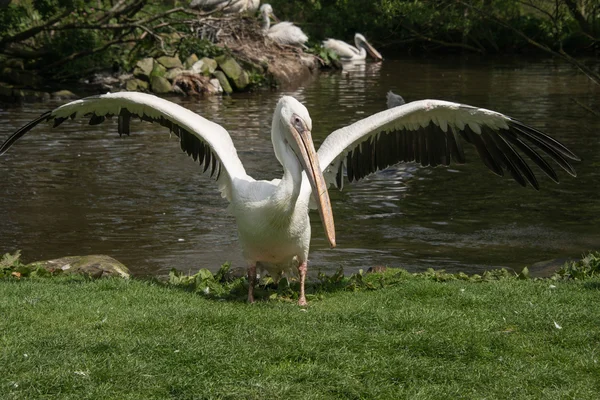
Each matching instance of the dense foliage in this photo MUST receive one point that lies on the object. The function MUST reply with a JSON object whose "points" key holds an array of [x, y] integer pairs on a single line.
{"points": [[66, 39], [473, 25]]}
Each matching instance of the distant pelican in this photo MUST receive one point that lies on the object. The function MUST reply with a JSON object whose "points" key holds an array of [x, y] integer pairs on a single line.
{"points": [[272, 216], [227, 6], [282, 32], [394, 100], [347, 52]]}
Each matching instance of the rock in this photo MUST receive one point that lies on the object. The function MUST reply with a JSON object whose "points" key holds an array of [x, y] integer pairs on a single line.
{"points": [[94, 266], [64, 95], [30, 96], [160, 85], [217, 85], [170, 62], [223, 81], [143, 68], [197, 67], [547, 268], [142, 85], [173, 73], [210, 65], [135, 84], [158, 70], [191, 60], [234, 71]]}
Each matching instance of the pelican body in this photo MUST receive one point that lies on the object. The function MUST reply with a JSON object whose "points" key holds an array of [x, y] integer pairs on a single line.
{"points": [[347, 52], [283, 32], [273, 216], [227, 6]]}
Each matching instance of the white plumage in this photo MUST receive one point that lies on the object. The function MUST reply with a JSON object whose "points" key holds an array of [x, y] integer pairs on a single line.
{"points": [[283, 32], [347, 52], [272, 216]]}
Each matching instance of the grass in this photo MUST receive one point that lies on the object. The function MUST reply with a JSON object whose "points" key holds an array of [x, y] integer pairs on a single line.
{"points": [[426, 336]]}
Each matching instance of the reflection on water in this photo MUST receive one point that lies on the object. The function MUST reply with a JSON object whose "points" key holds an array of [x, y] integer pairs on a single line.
{"points": [[81, 189]]}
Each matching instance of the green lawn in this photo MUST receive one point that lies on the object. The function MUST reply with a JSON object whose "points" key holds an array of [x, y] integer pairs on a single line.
{"points": [[418, 338]]}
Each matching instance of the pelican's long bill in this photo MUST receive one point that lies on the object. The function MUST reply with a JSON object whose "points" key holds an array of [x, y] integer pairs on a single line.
{"points": [[371, 50], [310, 163]]}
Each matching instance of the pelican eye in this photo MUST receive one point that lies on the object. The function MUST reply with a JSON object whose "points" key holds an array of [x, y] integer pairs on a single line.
{"points": [[298, 124]]}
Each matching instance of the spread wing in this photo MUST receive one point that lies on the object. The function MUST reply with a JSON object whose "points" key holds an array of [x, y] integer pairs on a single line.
{"points": [[431, 132], [207, 143]]}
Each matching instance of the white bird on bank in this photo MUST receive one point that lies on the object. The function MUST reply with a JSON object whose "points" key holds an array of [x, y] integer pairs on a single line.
{"points": [[227, 6], [283, 32], [272, 216], [347, 52]]}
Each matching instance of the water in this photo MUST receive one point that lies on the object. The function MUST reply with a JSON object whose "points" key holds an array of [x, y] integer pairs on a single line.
{"points": [[81, 189]]}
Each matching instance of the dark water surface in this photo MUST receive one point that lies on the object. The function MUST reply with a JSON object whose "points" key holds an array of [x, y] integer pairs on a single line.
{"points": [[81, 189]]}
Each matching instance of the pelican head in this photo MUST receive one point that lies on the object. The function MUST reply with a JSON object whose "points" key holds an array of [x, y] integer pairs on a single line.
{"points": [[267, 12], [361, 41], [292, 141]]}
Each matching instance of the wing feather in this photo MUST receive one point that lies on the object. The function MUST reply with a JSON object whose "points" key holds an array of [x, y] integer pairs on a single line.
{"points": [[430, 132], [206, 142]]}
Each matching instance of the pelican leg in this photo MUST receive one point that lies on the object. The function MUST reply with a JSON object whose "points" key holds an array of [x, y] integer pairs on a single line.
{"points": [[251, 282], [302, 272]]}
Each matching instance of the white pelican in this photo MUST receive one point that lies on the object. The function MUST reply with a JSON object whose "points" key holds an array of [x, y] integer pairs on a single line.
{"points": [[227, 6], [283, 32], [272, 216], [347, 52]]}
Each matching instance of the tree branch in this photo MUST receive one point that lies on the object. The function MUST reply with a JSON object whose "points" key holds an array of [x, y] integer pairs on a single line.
{"points": [[32, 31]]}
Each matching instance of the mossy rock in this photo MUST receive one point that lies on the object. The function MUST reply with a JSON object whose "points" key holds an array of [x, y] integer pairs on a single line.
{"points": [[158, 70], [190, 61], [135, 84], [143, 68], [234, 71], [173, 73], [209, 65], [223, 81], [29, 96], [170, 62], [94, 266], [64, 95], [160, 85]]}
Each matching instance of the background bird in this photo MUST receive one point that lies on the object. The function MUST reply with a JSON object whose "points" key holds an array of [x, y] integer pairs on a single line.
{"points": [[347, 52], [283, 32], [394, 100]]}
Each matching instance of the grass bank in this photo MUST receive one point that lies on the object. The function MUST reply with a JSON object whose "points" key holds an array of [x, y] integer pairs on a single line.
{"points": [[417, 337]]}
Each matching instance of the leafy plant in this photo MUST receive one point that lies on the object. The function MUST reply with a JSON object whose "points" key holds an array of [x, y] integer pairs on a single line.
{"points": [[587, 267]]}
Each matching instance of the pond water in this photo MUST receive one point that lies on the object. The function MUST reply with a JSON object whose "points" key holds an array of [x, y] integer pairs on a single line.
{"points": [[81, 189]]}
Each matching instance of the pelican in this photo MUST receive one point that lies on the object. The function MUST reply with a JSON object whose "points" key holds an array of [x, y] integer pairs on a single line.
{"points": [[227, 6], [347, 52], [394, 100], [273, 216], [283, 32]]}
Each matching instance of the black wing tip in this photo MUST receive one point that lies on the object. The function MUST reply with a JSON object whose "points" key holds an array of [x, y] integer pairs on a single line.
{"points": [[549, 140], [23, 130]]}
